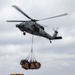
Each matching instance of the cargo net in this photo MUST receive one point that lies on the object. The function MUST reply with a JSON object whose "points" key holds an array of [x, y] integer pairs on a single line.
{"points": [[30, 62]]}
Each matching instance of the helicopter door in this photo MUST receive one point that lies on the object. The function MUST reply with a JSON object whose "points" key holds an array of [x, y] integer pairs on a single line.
{"points": [[35, 28]]}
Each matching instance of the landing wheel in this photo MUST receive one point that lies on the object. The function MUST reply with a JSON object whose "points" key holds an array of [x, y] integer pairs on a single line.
{"points": [[24, 33], [50, 41]]}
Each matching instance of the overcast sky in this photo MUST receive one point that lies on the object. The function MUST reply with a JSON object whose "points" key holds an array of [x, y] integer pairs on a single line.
{"points": [[56, 58]]}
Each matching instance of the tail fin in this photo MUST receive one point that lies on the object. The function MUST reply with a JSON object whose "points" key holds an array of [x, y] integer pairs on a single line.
{"points": [[55, 32]]}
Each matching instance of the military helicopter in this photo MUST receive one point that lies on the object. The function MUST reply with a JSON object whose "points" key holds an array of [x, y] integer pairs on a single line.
{"points": [[31, 26]]}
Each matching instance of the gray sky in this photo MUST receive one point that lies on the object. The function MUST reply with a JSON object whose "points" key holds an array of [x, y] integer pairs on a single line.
{"points": [[57, 58]]}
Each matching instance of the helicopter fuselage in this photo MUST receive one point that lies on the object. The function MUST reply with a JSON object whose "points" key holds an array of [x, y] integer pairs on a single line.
{"points": [[33, 28]]}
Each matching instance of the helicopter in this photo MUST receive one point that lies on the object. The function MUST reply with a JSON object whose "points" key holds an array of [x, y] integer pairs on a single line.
{"points": [[31, 26]]}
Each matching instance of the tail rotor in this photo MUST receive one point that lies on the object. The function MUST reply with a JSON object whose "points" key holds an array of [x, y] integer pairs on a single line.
{"points": [[56, 30]]}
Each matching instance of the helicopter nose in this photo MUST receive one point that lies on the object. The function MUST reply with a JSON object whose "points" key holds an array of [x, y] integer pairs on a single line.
{"points": [[17, 25]]}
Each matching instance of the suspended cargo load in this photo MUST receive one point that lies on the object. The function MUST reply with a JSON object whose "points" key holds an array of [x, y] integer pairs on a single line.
{"points": [[30, 62]]}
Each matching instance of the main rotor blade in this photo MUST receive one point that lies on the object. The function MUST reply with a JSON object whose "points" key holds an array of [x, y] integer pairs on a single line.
{"points": [[54, 17], [16, 7], [16, 21]]}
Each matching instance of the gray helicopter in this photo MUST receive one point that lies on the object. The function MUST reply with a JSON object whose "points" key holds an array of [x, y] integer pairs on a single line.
{"points": [[31, 26]]}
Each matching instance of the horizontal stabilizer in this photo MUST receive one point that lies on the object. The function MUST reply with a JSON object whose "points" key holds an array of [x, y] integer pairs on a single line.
{"points": [[58, 37]]}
